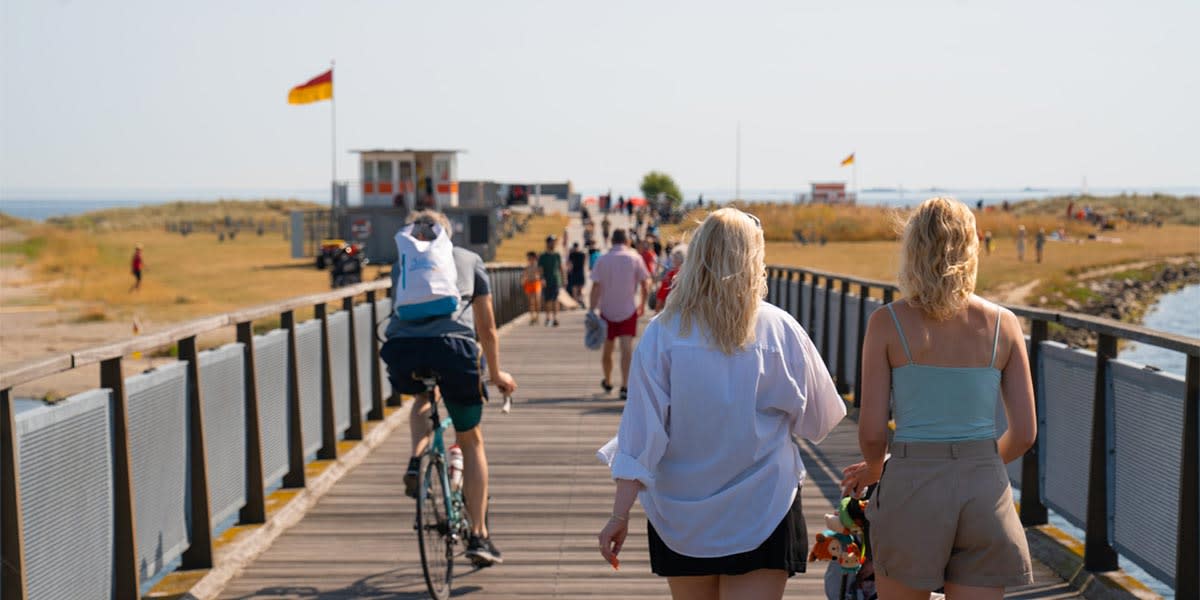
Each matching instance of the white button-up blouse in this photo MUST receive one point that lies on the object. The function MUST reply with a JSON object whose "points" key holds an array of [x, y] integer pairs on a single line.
{"points": [[709, 434]]}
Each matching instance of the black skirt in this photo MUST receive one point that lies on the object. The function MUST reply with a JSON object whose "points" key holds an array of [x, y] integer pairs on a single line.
{"points": [[785, 549]]}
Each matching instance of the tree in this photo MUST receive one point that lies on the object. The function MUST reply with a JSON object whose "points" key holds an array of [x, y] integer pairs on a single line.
{"points": [[656, 182]]}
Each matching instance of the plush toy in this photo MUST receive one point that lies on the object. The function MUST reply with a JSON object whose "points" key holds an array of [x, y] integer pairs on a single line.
{"points": [[852, 515], [837, 547], [827, 547]]}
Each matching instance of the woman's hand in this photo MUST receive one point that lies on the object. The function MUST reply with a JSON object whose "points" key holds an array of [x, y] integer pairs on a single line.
{"points": [[612, 537], [856, 478]]}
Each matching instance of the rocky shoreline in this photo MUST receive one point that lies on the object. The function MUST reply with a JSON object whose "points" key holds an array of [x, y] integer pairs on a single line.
{"points": [[1124, 298]]}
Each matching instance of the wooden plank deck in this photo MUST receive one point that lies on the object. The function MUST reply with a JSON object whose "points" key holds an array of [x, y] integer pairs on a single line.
{"points": [[550, 499]]}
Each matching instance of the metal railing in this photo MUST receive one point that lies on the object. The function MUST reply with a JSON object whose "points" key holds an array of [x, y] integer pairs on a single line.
{"points": [[836, 319], [165, 410]]}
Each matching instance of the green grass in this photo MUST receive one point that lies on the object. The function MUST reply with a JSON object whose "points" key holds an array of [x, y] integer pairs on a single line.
{"points": [[30, 247]]}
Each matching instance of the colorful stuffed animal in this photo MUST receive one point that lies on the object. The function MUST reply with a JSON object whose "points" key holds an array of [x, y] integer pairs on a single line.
{"points": [[837, 547], [852, 515]]}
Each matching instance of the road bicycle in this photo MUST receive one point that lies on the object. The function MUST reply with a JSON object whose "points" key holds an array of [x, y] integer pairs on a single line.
{"points": [[442, 524]]}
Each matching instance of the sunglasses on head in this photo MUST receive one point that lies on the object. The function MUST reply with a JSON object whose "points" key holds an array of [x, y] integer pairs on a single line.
{"points": [[757, 222]]}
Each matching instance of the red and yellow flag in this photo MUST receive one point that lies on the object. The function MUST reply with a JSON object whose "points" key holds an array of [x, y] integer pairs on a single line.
{"points": [[849, 160], [314, 90]]}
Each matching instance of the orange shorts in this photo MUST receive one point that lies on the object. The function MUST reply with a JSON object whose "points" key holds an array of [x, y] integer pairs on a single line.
{"points": [[533, 287]]}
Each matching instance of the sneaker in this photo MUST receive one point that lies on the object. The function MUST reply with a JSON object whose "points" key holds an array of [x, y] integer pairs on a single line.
{"points": [[410, 477], [482, 552], [556, 322], [606, 385], [624, 393]]}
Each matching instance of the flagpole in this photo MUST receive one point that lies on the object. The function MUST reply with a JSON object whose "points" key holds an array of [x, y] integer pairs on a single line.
{"points": [[737, 182], [332, 155], [854, 174]]}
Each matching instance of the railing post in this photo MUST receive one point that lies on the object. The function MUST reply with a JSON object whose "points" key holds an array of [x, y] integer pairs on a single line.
{"points": [[799, 298], [1187, 552], [376, 376], [255, 510], [888, 295], [199, 551], [1098, 553], [356, 424], [813, 288], [295, 475], [328, 449], [864, 292], [825, 337], [841, 338], [789, 277], [1033, 512], [12, 547], [126, 577]]}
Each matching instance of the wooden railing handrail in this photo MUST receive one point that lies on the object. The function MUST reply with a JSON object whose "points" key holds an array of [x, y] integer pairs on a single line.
{"points": [[58, 363], [1100, 325]]}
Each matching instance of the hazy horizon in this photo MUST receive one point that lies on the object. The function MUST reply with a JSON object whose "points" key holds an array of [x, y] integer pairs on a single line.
{"points": [[953, 94]]}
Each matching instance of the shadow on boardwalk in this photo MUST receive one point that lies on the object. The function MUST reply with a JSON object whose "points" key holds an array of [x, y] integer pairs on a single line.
{"points": [[550, 497]]}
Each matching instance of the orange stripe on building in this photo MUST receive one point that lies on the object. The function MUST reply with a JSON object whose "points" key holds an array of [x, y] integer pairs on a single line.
{"points": [[385, 188], [368, 187], [447, 188]]}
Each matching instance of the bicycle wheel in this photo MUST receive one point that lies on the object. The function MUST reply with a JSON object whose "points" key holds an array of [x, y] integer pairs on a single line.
{"points": [[433, 528]]}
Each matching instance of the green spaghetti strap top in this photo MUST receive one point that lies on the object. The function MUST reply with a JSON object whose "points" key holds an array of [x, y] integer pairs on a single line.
{"points": [[944, 404]]}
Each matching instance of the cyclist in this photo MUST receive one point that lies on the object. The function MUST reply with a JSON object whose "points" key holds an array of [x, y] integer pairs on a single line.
{"points": [[450, 346]]}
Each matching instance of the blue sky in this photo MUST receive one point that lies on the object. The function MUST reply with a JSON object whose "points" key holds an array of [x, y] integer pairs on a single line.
{"points": [[179, 95]]}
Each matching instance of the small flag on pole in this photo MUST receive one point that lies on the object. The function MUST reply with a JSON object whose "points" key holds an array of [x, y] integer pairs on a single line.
{"points": [[314, 90], [849, 160]]}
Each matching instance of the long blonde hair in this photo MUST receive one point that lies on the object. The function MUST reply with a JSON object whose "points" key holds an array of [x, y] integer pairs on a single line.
{"points": [[722, 281], [940, 257]]}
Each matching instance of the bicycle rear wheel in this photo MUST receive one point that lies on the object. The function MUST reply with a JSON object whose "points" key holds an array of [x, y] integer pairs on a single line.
{"points": [[433, 528]]}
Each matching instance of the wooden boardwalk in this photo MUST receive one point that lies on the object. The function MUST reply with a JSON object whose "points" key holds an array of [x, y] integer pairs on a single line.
{"points": [[550, 499]]}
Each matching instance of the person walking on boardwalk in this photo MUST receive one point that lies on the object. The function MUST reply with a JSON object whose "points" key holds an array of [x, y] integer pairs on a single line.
{"points": [[605, 228], [678, 255], [450, 346], [553, 271], [1021, 243], [616, 280], [531, 282], [721, 382], [135, 266], [1039, 243], [576, 273], [942, 515]]}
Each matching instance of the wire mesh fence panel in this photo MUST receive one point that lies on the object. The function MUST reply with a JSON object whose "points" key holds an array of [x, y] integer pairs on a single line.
{"points": [[1147, 438], [339, 350], [65, 465], [308, 358], [383, 311], [362, 347], [1068, 378], [271, 376], [158, 451], [223, 389]]}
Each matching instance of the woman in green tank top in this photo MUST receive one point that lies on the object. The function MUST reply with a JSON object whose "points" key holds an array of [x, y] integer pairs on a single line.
{"points": [[942, 514]]}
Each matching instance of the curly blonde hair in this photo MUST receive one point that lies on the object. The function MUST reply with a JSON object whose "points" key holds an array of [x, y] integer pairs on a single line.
{"points": [[940, 257], [722, 281]]}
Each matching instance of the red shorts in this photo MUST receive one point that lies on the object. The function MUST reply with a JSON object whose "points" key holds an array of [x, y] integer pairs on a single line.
{"points": [[617, 329]]}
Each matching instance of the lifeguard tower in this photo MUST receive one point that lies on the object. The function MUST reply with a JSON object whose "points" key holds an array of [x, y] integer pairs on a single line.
{"points": [[409, 178]]}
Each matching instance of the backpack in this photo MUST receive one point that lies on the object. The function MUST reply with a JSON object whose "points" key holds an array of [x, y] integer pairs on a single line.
{"points": [[428, 283]]}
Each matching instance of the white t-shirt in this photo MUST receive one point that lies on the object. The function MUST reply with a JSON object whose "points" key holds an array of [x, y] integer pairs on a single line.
{"points": [[710, 435]]}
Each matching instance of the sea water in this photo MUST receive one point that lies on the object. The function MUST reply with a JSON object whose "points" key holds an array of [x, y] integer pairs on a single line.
{"points": [[1177, 312]]}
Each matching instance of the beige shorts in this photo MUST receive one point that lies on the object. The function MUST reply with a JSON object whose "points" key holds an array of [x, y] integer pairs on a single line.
{"points": [[943, 512]]}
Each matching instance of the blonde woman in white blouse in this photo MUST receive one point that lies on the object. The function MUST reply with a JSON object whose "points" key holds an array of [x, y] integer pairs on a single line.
{"points": [[720, 383]]}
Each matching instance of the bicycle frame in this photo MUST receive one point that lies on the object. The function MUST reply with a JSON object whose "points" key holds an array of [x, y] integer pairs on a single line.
{"points": [[454, 509]]}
